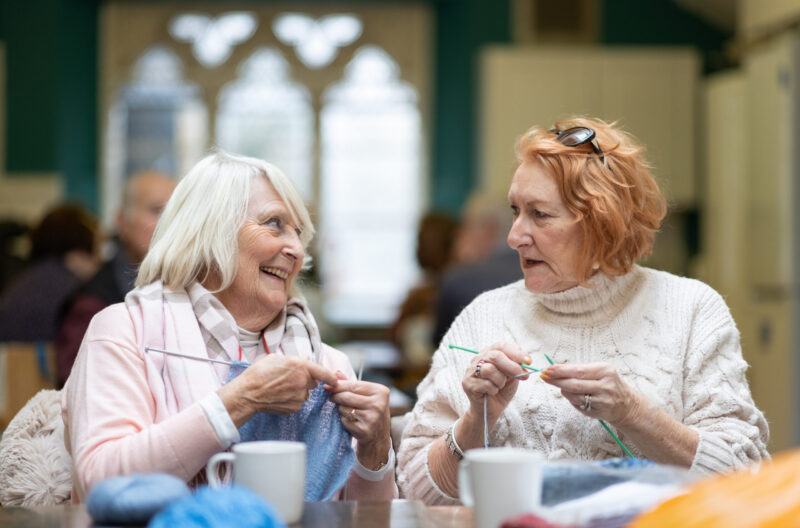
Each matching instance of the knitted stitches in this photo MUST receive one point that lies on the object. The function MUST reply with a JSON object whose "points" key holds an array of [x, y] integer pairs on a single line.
{"points": [[329, 453], [671, 338]]}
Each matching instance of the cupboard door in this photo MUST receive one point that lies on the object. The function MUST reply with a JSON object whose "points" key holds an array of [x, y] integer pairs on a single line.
{"points": [[772, 85], [525, 87], [651, 92]]}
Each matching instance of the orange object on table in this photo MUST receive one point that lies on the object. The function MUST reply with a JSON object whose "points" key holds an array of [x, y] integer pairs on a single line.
{"points": [[767, 496]]}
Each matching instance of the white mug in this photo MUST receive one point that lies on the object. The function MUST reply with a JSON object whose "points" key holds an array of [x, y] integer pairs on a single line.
{"points": [[500, 483], [275, 470]]}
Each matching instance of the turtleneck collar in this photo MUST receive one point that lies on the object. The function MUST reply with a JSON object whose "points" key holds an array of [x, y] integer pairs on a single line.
{"points": [[600, 300]]}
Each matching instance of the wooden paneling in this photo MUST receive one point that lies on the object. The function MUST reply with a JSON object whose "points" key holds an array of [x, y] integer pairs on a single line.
{"points": [[21, 377]]}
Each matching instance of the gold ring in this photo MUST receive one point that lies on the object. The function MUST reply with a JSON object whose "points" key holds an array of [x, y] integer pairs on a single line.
{"points": [[352, 416]]}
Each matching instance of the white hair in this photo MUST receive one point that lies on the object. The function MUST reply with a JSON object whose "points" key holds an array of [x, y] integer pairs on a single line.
{"points": [[197, 233]]}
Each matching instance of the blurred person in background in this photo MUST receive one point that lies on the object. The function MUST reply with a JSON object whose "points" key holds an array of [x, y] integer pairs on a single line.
{"points": [[143, 199], [11, 262], [63, 256], [412, 331], [483, 259]]}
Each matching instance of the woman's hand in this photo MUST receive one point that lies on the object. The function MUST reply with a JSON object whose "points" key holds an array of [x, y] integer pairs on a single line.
{"points": [[364, 407], [596, 390], [276, 384], [492, 373]]}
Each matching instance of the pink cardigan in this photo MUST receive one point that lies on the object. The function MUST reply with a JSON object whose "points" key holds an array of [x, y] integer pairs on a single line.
{"points": [[110, 415]]}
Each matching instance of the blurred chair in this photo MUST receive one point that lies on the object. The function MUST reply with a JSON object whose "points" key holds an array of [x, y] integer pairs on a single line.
{"points": [[25, 369], [35, 467]]}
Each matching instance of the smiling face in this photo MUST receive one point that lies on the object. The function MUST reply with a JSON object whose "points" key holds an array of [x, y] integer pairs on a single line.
{"points": [[545, 232], [270, 256]]}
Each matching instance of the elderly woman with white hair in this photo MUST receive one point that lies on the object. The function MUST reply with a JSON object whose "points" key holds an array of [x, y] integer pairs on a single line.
{"points": [[216, 287]]}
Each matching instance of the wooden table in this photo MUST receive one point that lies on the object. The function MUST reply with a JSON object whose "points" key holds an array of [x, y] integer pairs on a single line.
{"points": [[351, 514]]}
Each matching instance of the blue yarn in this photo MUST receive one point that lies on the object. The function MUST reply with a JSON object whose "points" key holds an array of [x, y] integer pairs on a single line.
{"points": [[133, 499], [219, 508], [625, 462], [329, 453]]}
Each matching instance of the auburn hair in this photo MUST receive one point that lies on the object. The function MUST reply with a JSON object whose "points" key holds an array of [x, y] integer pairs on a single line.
{"points": [[615, 198]]}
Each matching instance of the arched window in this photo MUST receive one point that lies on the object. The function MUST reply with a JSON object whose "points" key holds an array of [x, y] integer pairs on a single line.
{"points": [[264, 114], [370, 133], [299, 89], [157, 121]]}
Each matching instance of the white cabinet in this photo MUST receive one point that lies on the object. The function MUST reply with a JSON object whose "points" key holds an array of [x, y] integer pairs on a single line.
{"points": [[773, 117], [751, 247], [650, 91]]}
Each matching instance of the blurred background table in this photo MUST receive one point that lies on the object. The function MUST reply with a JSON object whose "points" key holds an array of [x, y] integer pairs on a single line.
{"points": [[352, 514]]}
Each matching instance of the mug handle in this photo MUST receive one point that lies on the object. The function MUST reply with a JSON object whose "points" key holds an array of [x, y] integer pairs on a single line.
{"points": [[464, 489], [211, 468]]}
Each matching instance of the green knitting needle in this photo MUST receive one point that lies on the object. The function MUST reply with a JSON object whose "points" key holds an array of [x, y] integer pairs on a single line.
{"points": [[523, 365], [605, 426]]}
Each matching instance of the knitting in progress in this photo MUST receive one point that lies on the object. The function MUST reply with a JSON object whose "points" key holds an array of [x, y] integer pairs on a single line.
{"points": [[329, 453]]}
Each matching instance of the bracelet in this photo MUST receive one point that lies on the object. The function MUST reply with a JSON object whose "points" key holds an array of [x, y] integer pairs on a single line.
{"points": [[452, 445]]}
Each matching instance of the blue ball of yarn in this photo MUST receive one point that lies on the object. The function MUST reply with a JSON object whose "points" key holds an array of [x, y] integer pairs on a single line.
{"points": [[219, 508], [133, 499]]}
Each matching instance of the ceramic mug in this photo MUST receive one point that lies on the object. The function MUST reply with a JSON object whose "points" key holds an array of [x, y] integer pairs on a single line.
{"points": [[275, 470], [500, 483]]}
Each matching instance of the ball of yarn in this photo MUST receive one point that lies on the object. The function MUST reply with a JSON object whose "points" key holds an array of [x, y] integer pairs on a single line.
{"points": [[219, 508], [133, 499]]}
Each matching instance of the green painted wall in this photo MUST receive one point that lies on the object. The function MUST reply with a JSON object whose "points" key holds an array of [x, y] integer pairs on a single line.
{"points": [[51, 91], [31, 84], [462, 29]]}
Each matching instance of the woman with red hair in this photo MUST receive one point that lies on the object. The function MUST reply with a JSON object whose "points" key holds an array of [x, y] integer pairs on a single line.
{"points": [[653, 357]]}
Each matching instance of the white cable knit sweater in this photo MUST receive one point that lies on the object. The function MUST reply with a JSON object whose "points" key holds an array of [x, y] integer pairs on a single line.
{"points": [[672, 338]]}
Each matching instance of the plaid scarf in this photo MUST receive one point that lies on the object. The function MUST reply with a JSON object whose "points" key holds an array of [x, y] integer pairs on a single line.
{"points": [[293, 332], [195, 323]]}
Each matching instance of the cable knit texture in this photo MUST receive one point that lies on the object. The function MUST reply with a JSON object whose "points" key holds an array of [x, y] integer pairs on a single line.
{"points": [[670, 337]]}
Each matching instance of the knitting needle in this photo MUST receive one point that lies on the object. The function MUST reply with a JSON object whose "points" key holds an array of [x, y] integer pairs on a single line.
{"points": [[605, 426], [523, 365], [485, 423], [187, 356], [360, 372]]}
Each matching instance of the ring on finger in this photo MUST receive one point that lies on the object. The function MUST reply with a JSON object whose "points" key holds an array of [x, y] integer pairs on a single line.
{"points": [[478, 368], [587, 402], [352, 416]]}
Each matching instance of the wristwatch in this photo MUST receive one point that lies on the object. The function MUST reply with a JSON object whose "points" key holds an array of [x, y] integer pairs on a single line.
{"points": [[452, 445]]}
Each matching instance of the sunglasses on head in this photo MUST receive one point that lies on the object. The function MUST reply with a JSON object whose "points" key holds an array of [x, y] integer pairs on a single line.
{"points": [[576, 136]]}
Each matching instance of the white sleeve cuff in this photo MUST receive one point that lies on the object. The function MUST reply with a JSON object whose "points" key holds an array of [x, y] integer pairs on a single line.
{"points": [[379, 474], [220, 420]]}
